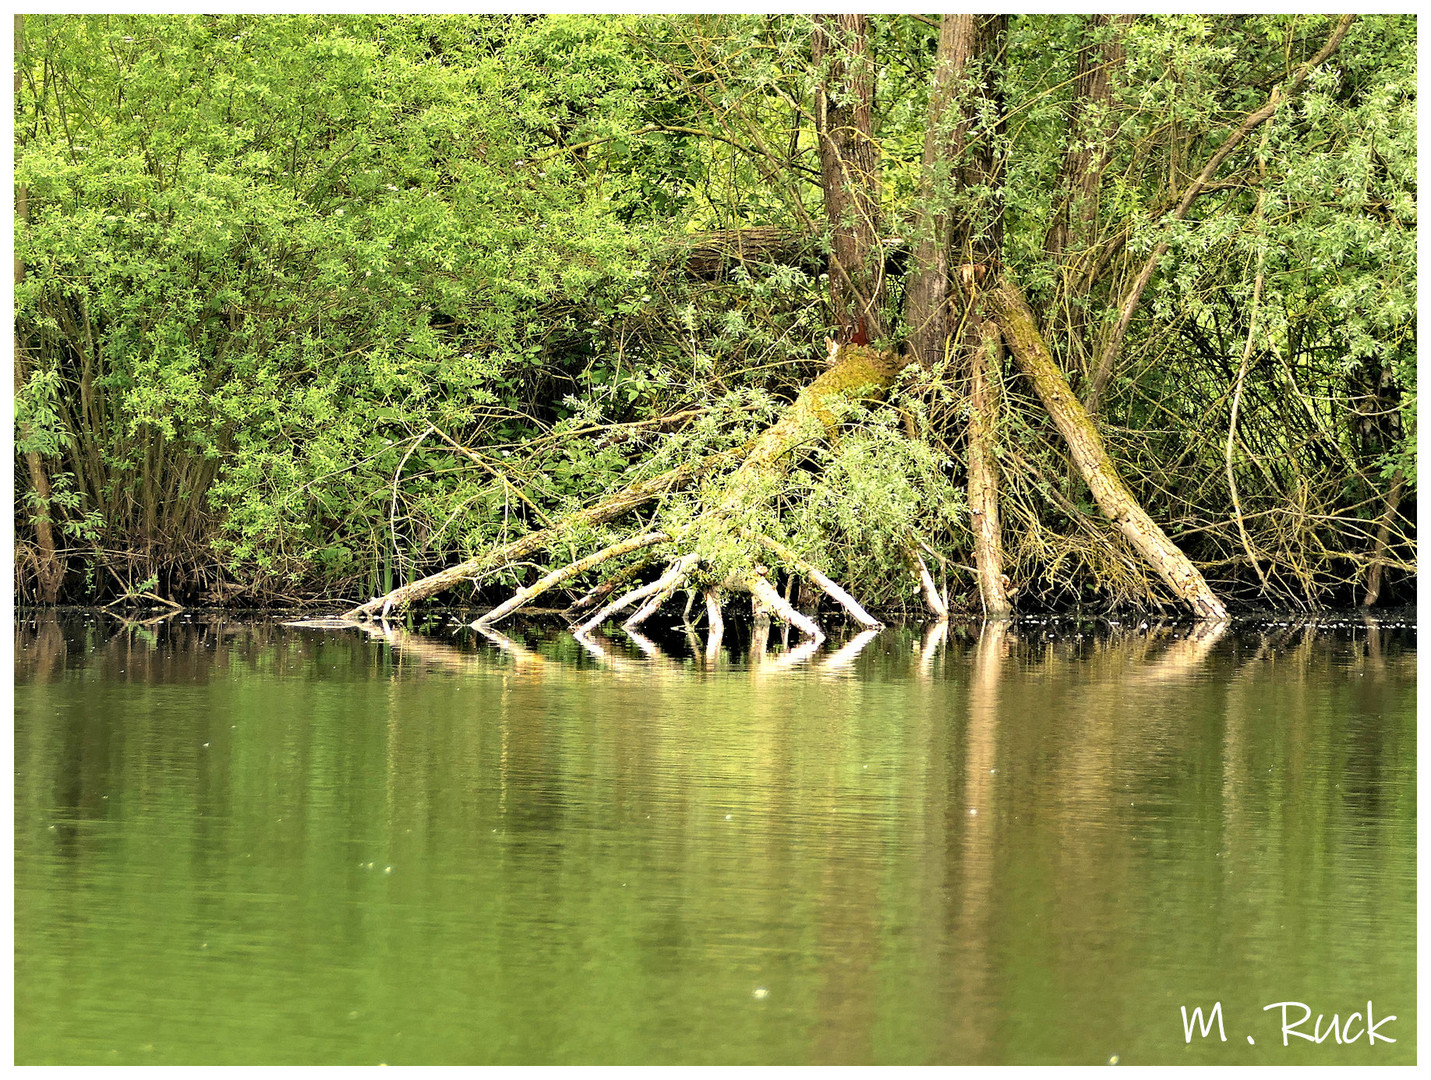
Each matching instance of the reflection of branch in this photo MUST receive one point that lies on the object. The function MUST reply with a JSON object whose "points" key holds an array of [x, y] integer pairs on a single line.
{"points": [[787, 660], [716, 625], [645, 644], [1183, 657], [978, 831], [441, 654], [129, 597], [448, 656], [599, 650], [154, 620], [520, 653], [851, 649], [933, 641]]}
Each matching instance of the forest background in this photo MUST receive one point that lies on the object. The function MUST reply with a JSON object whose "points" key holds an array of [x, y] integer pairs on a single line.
{"points": [[316, 307]]}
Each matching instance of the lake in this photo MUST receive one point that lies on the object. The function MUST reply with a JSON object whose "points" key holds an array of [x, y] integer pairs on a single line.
{"points": [[240, 842]]}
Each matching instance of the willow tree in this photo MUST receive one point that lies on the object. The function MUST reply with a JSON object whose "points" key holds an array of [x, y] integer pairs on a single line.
{"points": [[719, 550], [49, 563], [1119, 309], [948, 305]]}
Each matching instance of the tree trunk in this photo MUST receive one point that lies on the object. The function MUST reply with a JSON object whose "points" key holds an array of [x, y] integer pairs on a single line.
{"points": [[710, 256], [984, 478], [1088, 123], [964, 245], [1086, 448], [977, 241], [1383, 538], [855, 371], [926, 293], [849, 174]]}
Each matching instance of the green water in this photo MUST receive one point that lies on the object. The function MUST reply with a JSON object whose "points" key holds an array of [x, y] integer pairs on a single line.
{"points": [[243, 843]]}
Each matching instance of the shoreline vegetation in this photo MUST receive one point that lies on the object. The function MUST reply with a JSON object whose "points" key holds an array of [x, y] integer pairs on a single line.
{"points": [[824, 319]]}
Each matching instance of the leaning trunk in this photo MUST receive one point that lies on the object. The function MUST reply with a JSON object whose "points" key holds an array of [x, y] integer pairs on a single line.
{"points": [[1086, 448], [854, 372]]}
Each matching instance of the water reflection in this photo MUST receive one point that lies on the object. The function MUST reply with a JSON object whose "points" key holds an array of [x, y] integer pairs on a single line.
{"points": [[939, 845]]}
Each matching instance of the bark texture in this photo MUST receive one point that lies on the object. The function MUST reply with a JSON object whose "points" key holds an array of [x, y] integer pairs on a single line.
{"points": [[983, 488], [1073, 238], [1383, 538], [855, 371], [926, 293], [958, 239], [849, 173], [710, 256], [1086, 449]]}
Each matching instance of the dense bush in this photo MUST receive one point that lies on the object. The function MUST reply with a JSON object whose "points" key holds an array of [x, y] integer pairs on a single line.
{"points": [[312, 304]]}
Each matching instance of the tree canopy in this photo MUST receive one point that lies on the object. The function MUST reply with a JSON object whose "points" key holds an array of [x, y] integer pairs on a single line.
{"points": [[314, 306]]}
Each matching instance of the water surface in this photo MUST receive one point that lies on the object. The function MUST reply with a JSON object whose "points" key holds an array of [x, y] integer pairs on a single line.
{"points": [[237, 842]]}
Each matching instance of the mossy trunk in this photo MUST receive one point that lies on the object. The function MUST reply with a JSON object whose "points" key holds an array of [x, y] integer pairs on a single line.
{"points": [[711, 256], [854, 372], [1085, 446]]}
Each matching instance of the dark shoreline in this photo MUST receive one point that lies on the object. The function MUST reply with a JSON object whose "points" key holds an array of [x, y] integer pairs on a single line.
{"points": [[1398, 617]]}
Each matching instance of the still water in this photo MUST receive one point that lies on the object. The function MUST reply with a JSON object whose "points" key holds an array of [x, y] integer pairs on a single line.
{"points": [[238, 842]]}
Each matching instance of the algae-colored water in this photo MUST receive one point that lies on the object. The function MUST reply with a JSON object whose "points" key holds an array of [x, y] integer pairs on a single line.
{"points": [[237, 842]]}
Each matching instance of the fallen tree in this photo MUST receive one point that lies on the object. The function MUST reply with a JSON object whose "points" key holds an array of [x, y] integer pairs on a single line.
{"points": [[950, 245], [1086, 449], [854, 374], [473, 570]]}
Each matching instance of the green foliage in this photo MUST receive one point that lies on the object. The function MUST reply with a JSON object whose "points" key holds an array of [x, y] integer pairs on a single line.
{"points": [[876, 493], [319, 303], [263, 253]]}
